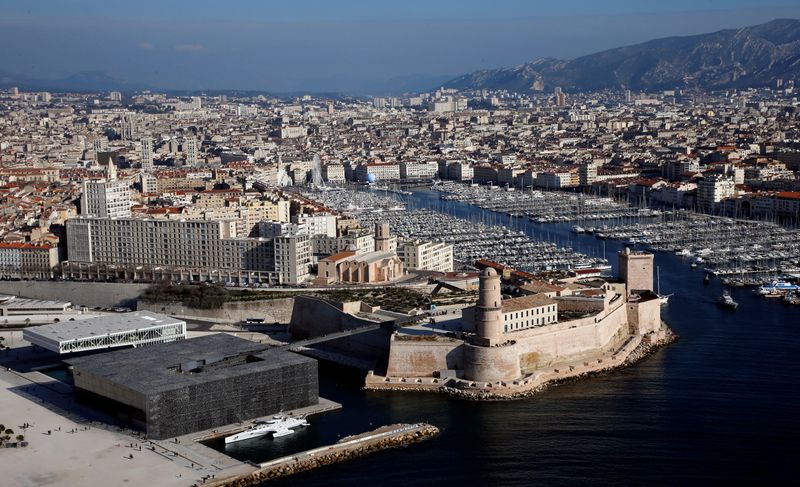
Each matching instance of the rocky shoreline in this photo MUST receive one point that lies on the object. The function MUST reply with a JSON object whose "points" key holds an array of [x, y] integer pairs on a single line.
{"points": [[646, 348], [304, 462]]}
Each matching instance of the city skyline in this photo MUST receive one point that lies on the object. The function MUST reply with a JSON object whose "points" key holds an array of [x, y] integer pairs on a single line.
{"points": [[352, 47]]}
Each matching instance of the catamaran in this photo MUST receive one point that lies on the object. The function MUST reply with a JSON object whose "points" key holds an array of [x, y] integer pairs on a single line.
{"points": [[278, 426]]}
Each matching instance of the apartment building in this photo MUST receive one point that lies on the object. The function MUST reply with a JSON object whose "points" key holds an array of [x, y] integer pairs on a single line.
{"points": [[106, 199], [30, 261], [185, 250], [425, 255]]}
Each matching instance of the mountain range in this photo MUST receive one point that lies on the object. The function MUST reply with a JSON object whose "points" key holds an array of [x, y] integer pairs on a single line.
{"points": [[733, 58], [84, 81]]}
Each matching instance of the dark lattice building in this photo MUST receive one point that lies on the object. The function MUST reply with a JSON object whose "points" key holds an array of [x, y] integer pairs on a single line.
{"points": [[177, 388]]}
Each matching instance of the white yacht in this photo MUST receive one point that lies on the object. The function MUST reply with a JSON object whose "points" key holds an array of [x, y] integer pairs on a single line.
{"points": [[278, 426]]}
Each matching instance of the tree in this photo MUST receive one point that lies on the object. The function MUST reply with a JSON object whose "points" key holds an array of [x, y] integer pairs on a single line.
{"points": [[20, 438]]}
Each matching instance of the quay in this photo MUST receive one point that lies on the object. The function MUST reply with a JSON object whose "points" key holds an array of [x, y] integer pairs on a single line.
{"points": [[383, 438]]}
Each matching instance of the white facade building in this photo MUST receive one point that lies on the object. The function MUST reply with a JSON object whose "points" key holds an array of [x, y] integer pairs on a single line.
{"points": [[106, 199], [427, 256]]}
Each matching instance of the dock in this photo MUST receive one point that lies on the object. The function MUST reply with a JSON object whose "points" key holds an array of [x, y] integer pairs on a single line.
{"points": [[383, 438]]}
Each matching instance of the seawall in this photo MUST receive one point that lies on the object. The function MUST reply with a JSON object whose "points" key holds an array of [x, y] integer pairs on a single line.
{"points": [[633, 350], [386, 437]]}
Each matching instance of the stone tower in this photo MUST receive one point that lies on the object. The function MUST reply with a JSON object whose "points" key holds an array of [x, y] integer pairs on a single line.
{"points": [[382, 238], [636, 270], [489, 311]]}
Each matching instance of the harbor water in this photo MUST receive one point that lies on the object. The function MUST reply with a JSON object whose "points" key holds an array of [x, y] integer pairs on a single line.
{"points": [[720, 405]]}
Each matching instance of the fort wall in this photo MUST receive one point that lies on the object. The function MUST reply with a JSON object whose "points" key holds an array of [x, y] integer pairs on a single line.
{"points": [[422, 356]]}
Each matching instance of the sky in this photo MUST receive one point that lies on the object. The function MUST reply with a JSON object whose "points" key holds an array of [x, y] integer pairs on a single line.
{"points": [[336, 45]]}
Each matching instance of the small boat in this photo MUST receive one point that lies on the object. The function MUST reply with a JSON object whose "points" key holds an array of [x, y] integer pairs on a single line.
{"points": [[777, 287], [277, 426], [707, 278], [664, 298], [727, 301]]}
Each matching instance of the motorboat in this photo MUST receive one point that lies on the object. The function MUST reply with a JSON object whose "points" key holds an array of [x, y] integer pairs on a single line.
{"points": [[777, 287], [277, 426], [727, 301]]}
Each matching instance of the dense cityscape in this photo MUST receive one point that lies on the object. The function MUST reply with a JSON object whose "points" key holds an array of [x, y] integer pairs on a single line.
{"points": [[222, 287]]}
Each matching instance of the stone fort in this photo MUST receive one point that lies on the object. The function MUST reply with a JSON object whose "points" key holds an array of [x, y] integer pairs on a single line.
{"points": [[512, 345]]}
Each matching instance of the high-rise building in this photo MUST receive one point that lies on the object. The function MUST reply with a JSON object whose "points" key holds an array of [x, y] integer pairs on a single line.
{"points": [[115, 96], [147, 154], [560, 97], [100, 144], [191, 151], [109, 198]]}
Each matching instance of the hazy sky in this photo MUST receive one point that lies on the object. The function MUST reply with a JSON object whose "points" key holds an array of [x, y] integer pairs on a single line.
{"points": [[349, 45]]}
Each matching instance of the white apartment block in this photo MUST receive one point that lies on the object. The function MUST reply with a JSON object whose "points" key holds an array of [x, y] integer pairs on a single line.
{"points": [[317, 224], [292, 258], [424, 170], [382, 171], [195, 250], [292, 132], [333, 173], [427, 256], [106, 199], [714, 189]]}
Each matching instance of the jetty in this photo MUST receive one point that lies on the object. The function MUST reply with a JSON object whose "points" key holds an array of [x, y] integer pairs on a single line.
{"points": [[383, 438]]}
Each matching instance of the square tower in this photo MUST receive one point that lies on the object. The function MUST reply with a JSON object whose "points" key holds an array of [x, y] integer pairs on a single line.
{"points": [[636, 270]]}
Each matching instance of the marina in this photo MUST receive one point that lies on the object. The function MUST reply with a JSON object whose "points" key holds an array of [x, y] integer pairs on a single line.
{"points": [[541, 206], [739, 252], [701, 382], [472, 239]]}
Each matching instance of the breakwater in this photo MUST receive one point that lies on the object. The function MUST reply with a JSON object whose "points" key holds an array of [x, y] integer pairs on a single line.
{"points": [[348, 448]]}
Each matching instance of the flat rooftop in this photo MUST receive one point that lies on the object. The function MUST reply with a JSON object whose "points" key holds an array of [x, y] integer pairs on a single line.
{"points": [[176, 365], [29, 303], [100, 326]]}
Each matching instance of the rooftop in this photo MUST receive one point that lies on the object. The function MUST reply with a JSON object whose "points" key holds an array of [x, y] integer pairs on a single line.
{"points": [[103, 325], [526, 302], [177, 365]]}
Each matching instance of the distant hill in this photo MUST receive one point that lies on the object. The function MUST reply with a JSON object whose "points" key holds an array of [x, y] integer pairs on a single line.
{"points": [[732, 58], [84, 81]]}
